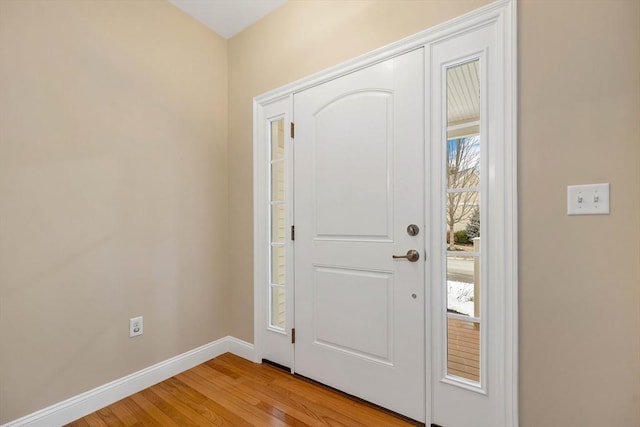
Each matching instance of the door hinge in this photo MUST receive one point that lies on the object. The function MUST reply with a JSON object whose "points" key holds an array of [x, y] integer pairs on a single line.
{"points": [[293, 335], [293, 130], [293, 232]]}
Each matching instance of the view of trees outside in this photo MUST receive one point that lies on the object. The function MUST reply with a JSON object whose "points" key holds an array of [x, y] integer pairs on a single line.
{"points": [[463, 220], [473, 226], [463, 166]]}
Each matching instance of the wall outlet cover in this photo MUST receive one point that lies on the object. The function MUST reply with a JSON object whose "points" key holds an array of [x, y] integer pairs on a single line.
{"points": [[135, 326]]}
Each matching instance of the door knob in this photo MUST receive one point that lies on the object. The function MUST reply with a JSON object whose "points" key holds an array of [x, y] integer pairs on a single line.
{"points": [[412, 255]]}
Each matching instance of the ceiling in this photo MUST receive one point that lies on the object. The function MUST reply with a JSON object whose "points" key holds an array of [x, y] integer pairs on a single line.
{"points": [[228, 17], [463, 93]]}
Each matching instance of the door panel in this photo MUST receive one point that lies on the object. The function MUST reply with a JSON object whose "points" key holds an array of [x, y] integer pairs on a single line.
{"points": [[359, 182], [347, 325], [353, 199]]}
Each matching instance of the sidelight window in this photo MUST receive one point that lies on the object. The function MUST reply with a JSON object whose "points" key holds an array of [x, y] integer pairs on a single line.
{"points": [[277, 221], [463, 288]]}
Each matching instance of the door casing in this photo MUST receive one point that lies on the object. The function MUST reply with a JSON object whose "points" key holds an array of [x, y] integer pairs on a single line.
{"points": [[501, 14]]}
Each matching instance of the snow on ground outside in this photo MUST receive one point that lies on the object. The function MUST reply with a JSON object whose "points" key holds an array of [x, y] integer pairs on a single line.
{"points": [[460, 297]]}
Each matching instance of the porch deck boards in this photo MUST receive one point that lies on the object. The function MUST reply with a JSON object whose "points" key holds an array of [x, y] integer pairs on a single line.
{"points": [[463, 343]]}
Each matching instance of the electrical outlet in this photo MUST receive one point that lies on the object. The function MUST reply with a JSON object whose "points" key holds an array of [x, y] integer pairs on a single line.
{"points": [[135, 326]]}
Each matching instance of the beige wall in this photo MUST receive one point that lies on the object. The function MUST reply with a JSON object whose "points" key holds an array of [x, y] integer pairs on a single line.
{"points": [[579, 276], [579, 106], [115, 196], [113, 189]]}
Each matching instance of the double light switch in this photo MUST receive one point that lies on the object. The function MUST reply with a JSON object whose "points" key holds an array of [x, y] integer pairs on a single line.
{"points": [[591, 199]]}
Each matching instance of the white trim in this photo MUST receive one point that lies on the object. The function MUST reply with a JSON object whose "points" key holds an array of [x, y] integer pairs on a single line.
{"points": [[463, 317], [104, 395], [504, 13], [462, 126], [510, 49], [260, 269], [462, 23], [240, 348], [428, 221], [462, 190]]}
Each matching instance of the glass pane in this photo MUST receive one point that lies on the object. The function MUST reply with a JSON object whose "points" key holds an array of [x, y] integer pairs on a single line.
{"points": [[277, 223], [277, 264], [463, 349], [463, 285], [277, 293], [463, 126], [463, 220], [463, 99], [277, 181], [277, 139], [277, 307], [463, 162]]}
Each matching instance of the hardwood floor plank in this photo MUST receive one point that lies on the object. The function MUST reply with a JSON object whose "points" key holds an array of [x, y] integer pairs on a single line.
{"points": [[79, 423], [198, 417], [288, 420], [154, 412], [298, 403], [273, 403], [210, 409], [258, 389], [124, 414], [94, 420], [231, 391], [222, 369], [238, 367], [314, 404], [173, 408], [346, 409], [231, 398], [256, 386], [144, 416]]}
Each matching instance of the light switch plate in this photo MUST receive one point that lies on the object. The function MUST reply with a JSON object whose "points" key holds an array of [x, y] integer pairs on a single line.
{"points": [[590, 199]]}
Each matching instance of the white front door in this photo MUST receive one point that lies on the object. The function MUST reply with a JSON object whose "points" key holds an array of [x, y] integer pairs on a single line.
{"points": [[359, 183]]}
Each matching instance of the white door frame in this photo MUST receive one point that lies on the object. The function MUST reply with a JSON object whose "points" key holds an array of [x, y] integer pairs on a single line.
{"points": [[502, 14]]}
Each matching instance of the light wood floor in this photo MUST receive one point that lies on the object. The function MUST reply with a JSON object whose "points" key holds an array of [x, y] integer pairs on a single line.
{"points": [[232, 391]]}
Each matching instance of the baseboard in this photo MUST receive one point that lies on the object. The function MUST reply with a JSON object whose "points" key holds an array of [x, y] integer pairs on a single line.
{"points": [[92, 400], [240, 348]]}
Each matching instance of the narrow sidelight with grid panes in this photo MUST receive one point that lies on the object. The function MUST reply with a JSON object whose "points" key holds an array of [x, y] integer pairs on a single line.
{"points": [[463, 213], [277, 239]]}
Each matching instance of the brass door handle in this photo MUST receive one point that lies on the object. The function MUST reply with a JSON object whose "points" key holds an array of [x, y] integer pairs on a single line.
{"points": [[412, 255]]}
